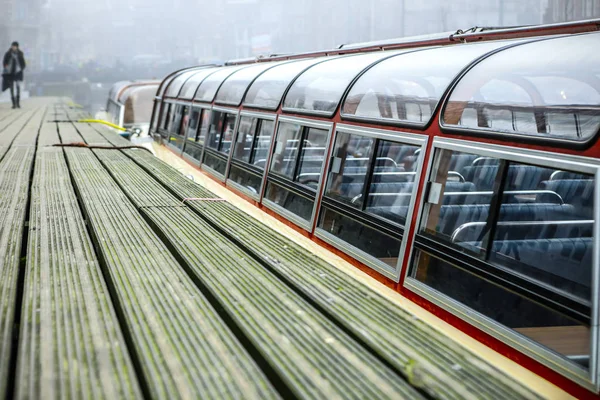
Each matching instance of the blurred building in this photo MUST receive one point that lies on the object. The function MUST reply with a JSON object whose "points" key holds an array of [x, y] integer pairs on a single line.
{"points": [[571, 10], [183, 32], [21, 21]]}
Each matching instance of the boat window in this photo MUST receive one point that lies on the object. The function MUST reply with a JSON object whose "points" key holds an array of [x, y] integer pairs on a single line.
{"points": [[192, 130], [252, 145], [262, 143], [209, 86], [221, 131], [545, 89], [166, 116], [312, 156], [177, 83], [268, 89], [245, 138], [177, 118], [189, 88], [369, 189], [284, 158], [514, 242], [185, 120], [253, 140], [349, 168], [156, 114], [233, 89], [320, 88], [296, 168], [198, 126], [408, 87]]}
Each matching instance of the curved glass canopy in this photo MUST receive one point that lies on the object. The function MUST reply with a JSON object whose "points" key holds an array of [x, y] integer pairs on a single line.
{"points": [[178, 82], [547, 89], [407, 88], [319, 89], [134, 87], [267, 90], [209, 86], [232, 90], [189, 88], [138, 103], [116, 89]]}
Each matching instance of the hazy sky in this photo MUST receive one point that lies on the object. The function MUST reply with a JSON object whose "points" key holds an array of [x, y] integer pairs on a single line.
{"points": [[107, 30], [138, 32]]}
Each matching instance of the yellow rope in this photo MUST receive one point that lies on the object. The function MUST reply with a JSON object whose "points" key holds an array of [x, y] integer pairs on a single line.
{"points": [[100, 121]]}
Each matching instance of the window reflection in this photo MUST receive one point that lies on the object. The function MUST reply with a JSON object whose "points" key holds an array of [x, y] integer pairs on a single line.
{"points": [[321, 87], [184, 120], [312, 157], [349, 168], [262, 143], [528, 89], [368, 192], [204, 126], [407, 87], [193, 125], [245, 138], [534, 223], [286, 149], [222, 125]]}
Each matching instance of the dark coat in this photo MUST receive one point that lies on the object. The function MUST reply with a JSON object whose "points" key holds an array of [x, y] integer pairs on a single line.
{"points": [[6, 62]]}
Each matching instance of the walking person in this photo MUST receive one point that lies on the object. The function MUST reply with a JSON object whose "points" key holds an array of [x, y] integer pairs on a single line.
{"points": [[14, 64]]}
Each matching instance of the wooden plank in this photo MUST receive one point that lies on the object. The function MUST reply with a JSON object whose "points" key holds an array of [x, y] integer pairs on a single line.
{"points": [[184, 348], [15, 170], [313, 356], [426, 357], [70, 345]]}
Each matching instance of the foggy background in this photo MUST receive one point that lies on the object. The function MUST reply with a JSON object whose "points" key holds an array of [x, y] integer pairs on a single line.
{"points": [[99, 42]]}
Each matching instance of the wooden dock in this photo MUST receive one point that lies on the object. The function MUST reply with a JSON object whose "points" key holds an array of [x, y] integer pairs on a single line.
{"points": [[122, 278]]}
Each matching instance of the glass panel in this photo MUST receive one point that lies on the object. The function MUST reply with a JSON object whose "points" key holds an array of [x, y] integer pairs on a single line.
{"points": [[166, 117], [178, 82], [176, 140], [185, 120], [408, 87], [204, 126], [349, 168], [262, 143], [176, 121], [391, 199], [268, 89], [193, 150], [138, 105], [245, 138], [293, 202], [208, 88], [216, 127], [551, 329], [550, 240], [466, 187], [371, 241], [286, 149], [545, 95], [233, 89], [245, 178], [312, 157], [189, 88], [163, 86], [156, 113], [217, 163], [193, 126], [321, 87], [228, 130]]}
